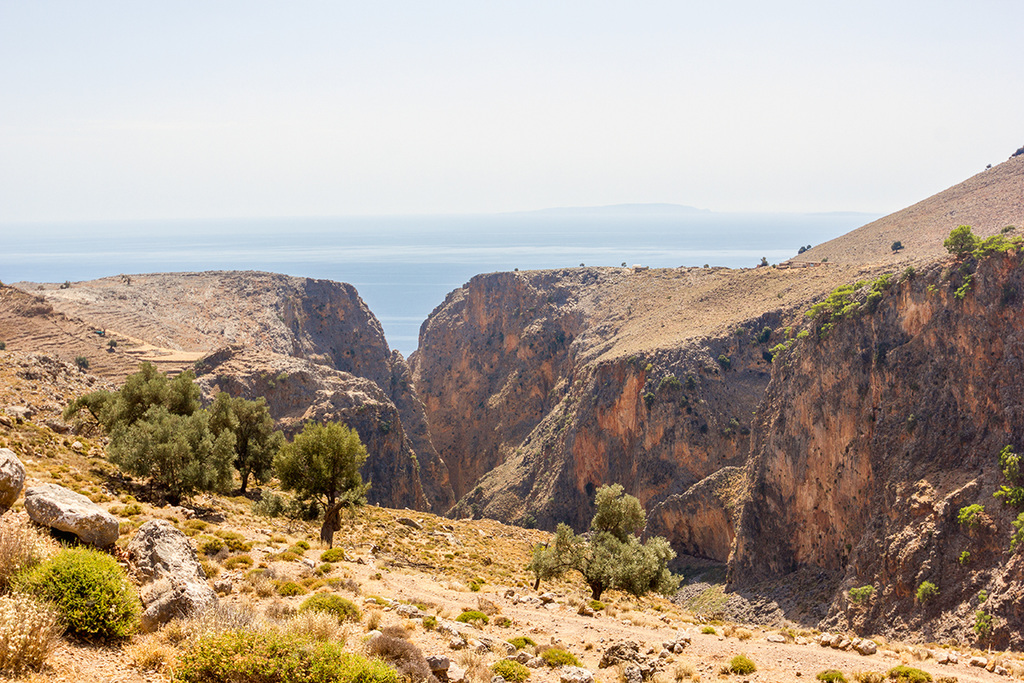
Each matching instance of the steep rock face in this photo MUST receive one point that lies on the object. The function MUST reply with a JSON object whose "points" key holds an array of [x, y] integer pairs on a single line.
{"points": [[869, 442], [298, 390], [701, 521], [542, 386]]}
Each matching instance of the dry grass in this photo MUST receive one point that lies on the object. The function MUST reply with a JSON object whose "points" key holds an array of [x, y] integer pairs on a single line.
{"points": [[150, 652], [21, 546], [319, 626], [475, 666], [28, 632]]}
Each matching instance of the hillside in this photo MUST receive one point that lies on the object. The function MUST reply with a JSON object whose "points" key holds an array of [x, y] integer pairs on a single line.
{"points": [[988, 201], [410, 573], [317, 329]]}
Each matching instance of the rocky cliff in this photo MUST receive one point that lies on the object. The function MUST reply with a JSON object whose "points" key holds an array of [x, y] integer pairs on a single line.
{"points": [[243, 330], [541, 386], [871, 438]]}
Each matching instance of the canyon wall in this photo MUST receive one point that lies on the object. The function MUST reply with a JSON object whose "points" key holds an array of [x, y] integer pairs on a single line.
{"points": [[870, 439]]}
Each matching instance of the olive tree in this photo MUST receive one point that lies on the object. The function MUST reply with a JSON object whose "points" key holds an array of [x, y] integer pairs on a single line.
{"points": [[322, 464], [158, 430], [611, 555], [256, 440]]}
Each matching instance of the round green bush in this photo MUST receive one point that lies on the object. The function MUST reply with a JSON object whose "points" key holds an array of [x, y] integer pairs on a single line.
{"points": [[511, 671], [831, 676], [89, 589], [742, 665], [519, 642], [332, 604], [289, 588], [555, 657], [270, 657], [332, 555], [472, 616], [908, 674]]}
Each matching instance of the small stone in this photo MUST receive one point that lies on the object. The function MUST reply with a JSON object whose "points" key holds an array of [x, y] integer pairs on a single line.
{"points": [[776, 638], [547, 598], [77, 446], [535, 662], [585, 611], [978, 661], [223, 586], [456, 674], [457, 644], [409, 522], [632, 674], [1000, 671], [575, 674], [438, 663], [497, 679], [867, 647]]}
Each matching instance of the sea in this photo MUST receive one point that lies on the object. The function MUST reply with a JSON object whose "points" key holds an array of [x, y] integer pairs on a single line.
{"points": [[403, 266]]}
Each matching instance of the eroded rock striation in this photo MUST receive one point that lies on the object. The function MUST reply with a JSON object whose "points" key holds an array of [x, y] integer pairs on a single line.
{"points": [[870, 441]]}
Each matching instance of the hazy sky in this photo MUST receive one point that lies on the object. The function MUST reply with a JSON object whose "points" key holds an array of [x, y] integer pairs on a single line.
{"points": [[218, 108]]}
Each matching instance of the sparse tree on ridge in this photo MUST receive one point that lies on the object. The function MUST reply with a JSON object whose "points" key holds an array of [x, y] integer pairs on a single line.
{"points": [[256, 440]]}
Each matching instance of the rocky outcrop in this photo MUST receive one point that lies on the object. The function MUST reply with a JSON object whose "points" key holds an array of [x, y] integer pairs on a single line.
{"points": [[542, 386], [12, 477], [298, 391], [701, 521], [317, 331], [63, 509], [173, 582], [874, 435]]}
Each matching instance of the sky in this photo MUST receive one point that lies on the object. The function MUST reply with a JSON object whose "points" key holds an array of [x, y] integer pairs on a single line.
{"points": [[176, 110]]}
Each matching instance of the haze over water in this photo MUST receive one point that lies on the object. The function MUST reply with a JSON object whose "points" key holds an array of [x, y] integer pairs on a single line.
{"points": [[403, 266]]}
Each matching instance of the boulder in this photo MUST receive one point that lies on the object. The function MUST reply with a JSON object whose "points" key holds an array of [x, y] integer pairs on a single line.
{"points": [[174, 583], [438, 663], [865, 646], [626, 651], [456, 674], [12, 477], [63, 509], [575, 674], [412, 523]]}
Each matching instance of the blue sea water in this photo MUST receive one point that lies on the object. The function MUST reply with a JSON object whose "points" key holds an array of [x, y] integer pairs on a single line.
{"points": [[403, 266]]}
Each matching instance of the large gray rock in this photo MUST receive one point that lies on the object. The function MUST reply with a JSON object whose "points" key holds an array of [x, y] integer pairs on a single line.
{"points": [[60, 508], [12, 477], [174, 583]]}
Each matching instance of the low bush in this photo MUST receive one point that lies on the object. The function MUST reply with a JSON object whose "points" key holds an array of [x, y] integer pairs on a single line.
{"points": [[318, 626], [238, 562], [555, 657], [596, 605], [519, 642], [403, 655], [511, 671], [709, 631], [908, 674], [287, 589], [831, 676], [332, 555], [473, 616], [271, 657], [742, 665], [970, 515], [342, 609], [926, 591], [28, 632], [861, 595], [429, 622], [89, 589]]}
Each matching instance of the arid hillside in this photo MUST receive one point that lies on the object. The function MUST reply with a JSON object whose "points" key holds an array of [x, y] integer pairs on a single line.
{"points": [[988, 201], [318, 330]]}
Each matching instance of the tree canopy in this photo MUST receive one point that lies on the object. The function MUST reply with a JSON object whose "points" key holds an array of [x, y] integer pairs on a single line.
{"points": [[256, 440], [322, 464], [611, 555]]}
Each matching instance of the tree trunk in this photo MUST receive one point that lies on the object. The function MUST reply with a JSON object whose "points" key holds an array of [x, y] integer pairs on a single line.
{"points": [[595, 591], [332, 522]]}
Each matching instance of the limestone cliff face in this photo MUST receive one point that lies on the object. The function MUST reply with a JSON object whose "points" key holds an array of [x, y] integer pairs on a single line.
{"points": [[702, 520], [538, 391], [869, 442], [272, 322]]}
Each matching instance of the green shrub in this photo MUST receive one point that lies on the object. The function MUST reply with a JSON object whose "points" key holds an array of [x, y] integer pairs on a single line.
{"points": [[519, 642], [709, 630], [429, 622], [1017, 538], [476, 584], [238, 561], [511, 671], [669, 381], [862, 594], [287, 589], [332, 555], [926, 591], [270, 657], [983, 625], [209, 545], [908, 674], [3, 346], [831, 676], [555, 657], [970, 515], [472, 616], [28, 632], [297, 549], [961, 242], [89, 589], [724, 361], [742, 665], [82, 362], [1010, 464], [596, 605], [965, 557], [332, 604]]}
